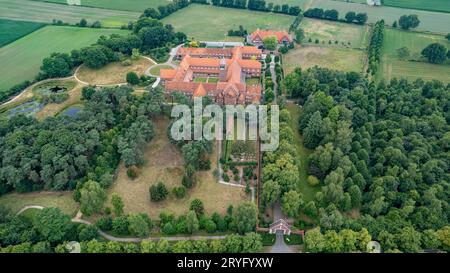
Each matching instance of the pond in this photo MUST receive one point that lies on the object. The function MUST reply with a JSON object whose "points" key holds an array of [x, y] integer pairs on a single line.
{"points": [[72, 111], [53, 87], [28, 109]]}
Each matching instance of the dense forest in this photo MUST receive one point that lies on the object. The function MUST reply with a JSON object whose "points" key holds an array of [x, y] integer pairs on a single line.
{"points": [[381, 151]]}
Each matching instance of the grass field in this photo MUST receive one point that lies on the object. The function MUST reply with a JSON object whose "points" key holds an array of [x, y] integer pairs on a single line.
{"points": [[21, 60], [303, 153], [212, 23], [391, 66], [435, 5], [62, 200], [131, 5], [35, 11], [339, 58], [113, 73], [430, 21], [164, 163], [358, 36], [12, 30]]}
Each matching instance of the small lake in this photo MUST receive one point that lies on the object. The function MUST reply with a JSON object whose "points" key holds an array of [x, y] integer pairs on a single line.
{"points": [[72, 111], [28, 108]]}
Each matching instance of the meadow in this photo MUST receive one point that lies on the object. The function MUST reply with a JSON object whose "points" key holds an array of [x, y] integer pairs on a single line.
{"points": [[45, 12], [164, 163], [21, 60], [434, 5], [13, 30], [130, 5], [212, 23], [430, 21], [415, 67]]}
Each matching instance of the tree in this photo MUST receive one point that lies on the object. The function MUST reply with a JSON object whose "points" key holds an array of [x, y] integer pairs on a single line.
{"points": [[447, 36], [313, 132], [299, 35], [245, 217], [83, 23], [197, 206], [117, 204], [270, 193], [350, 17], [92, 198], [314, 241], [361, 18], [409, 21], [290, 203], [120, 225], [138, 225], [435, 53], [52, 224], [192, 224], [132, 78], [270, 42], [403, 53], [313, 181], [158, 192], [88, 232]]}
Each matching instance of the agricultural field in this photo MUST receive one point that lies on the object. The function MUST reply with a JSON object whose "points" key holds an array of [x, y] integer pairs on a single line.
{"points": [[62, 199], [34, 11], [415, 67], [21, 60], [430, 21], [112, 73], [164, 163], [12, 30], [131, 5], [434, 5], [191, 20], [357, 36]]}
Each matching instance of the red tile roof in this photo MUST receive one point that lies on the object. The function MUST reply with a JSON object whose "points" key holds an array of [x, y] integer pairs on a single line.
{"points": [[266, 33], [167, 73]]}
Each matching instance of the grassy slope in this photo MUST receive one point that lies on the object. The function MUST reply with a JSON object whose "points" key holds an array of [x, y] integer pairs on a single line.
{"points": [[130, 5], [45, 12], [430, 21], [22, 59], [191, 21], [391, 66], [13, 30], [303, 153]]}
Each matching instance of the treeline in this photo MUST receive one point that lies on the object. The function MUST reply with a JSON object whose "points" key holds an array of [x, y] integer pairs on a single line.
{"points": [[258, 5], [375, 46], [379, 149], [166, 10], [333, 15]]}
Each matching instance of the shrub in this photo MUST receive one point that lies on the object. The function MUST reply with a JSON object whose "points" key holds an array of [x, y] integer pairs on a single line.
{"points": [[104, 223], [132, 78], [197, 206], [158, 192], [88, 233], [226, 178], [120, 225], [187, 181], [313, 181], [179, 192], [210, 226]]}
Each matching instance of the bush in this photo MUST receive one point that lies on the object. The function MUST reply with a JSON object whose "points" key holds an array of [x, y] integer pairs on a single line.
{"points": [[179, 192], [88, 233], [104, 223], [313, 181], [120, 225], [187, 181], [133, 172], [158, 192], [226, 178], [210, 226], [197, 206], [132, 78]]}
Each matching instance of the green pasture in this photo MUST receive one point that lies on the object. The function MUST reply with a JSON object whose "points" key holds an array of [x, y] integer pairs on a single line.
{"points": [[12, 30]]}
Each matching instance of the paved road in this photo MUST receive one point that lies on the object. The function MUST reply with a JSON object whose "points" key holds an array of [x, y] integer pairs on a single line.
{"points": [[280, 246]]}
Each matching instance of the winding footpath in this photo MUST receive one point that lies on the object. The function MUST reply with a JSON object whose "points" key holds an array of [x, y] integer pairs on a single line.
{"points": [[78, 219]]}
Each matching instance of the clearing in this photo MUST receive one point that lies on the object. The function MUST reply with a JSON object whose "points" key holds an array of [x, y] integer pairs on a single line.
{"points": [[12, 30], [415, 67], [113, 73], [61, 199], [430, 21], [21, 60], [52, 109], [165, 164], [338, 58], [45, 12], [204, 22], [134, 5]]}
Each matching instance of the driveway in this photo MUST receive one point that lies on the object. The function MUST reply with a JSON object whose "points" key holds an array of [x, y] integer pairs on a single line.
{"points": [[280, 246]]}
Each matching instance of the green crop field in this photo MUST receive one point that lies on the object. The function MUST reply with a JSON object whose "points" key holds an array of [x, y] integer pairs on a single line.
{"points": [[435, 5], [430, 21], [35, 11], [358, 36], [391, 66], [12, 30], [131, 5], [212, 23], [22, 59]]}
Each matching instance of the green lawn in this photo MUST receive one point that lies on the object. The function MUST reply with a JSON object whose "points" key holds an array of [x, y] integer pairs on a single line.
{"points": [[391, 66], [430, 21], [303, 153], [62, 200], [35, 11], [212, 23], [156, 69], [435, 5], [12, 30], [21, 60], [131, 5], [357, 36]]}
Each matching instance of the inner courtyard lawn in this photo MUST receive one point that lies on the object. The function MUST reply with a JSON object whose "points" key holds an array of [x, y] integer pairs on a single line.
{"points": [[21, 60], [164, 163], [204, 22], [414, 66]]}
